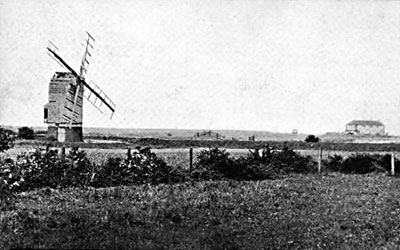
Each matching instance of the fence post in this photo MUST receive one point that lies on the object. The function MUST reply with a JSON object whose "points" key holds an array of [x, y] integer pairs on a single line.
{"points": [[129, 154], [319, 159], [190, 159], [392, 161], [63, 153]]}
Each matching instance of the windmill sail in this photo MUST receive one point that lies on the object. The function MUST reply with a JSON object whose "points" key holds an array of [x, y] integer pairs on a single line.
{"points": [[98, 94], [83, 69], [98, 99], [85, 62]]}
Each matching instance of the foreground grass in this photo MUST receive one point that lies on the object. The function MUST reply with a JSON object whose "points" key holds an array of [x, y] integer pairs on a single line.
{"points": [[301, 212]]}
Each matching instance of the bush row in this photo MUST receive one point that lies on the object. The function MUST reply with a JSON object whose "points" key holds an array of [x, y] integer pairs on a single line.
{"points": [[53, 169], [262, 163], [50, 169]]}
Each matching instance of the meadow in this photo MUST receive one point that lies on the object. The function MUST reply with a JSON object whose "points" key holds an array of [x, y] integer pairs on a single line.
{"points": [[331, 211]]}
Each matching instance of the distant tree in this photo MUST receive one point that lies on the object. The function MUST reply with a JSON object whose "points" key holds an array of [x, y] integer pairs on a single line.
{"points": [[6, 139], [311, 138], [26, 133]]}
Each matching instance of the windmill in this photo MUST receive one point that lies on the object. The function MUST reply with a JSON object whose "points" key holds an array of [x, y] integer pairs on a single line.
{"points": [[64, 111]]}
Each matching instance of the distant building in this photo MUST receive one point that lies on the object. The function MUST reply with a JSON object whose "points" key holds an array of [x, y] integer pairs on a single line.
{"points": [[363, 127]]}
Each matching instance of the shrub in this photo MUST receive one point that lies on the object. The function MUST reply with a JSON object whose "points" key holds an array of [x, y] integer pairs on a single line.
{"points": [[212, 164], [288, 161], [311, 138], [213, 157], [6, 139], [8, 183], [47, 169], [333, 163], [26, 133], [386, 163], [11, 177], [360, 163], [109, 173], [262, 163], [6, 196], [283, 161], [140, 167], [39, 169], [256, 165], [246, 168], [78, 170]]}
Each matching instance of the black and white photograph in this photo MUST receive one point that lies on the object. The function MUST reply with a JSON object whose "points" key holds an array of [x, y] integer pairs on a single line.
{"points": [[200, 124]]}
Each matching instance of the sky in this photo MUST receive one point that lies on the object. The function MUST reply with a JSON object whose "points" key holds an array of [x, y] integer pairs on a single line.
{"points": [[221, 64]]}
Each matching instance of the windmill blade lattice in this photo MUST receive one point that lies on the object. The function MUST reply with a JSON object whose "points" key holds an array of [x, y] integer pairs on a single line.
{"points": [[99, 99]]}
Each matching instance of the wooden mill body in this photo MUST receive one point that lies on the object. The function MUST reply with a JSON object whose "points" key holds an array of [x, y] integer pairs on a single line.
{"points": [[65, 120]]}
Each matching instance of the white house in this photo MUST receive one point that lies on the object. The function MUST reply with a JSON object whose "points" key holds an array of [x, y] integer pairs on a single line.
{"points": [[365, 127]]}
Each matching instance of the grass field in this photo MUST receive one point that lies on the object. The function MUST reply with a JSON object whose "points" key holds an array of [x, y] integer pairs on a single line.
{"points": [[332, 211]]}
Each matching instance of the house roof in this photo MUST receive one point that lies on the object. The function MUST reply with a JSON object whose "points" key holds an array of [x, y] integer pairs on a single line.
{"points": [[365, 123]]}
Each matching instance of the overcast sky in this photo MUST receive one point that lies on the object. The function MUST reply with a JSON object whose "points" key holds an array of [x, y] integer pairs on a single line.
{"points": [[237, 64]]}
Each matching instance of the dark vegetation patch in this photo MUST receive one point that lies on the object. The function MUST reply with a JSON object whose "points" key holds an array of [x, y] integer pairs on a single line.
{"points": [[56, 170], [26, 133], [361, 163], [260, 164], [6, 139], [311, 139]]}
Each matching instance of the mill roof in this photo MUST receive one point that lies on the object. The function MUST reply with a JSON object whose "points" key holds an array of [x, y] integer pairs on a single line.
{"points": [[63, 75], [365, 123]]}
